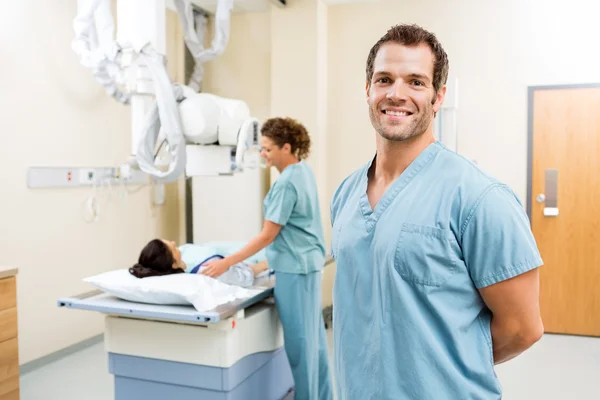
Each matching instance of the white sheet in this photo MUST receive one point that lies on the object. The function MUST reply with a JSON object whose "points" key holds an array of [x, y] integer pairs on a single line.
{"points": [[203, 292]]}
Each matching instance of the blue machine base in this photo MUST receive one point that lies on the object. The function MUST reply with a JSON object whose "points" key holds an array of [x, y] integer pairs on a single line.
{"points": [[261, 376]]}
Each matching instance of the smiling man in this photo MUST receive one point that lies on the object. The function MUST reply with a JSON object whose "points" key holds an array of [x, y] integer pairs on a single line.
{"points": [[437, 268]]}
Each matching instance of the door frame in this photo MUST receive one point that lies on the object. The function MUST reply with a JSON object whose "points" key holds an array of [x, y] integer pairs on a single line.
{"points": [[530, 92]]}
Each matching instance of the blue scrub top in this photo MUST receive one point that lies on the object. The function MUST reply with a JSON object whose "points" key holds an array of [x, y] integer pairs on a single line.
{"points": [[195, 254], [293, 202], [409, 322]]}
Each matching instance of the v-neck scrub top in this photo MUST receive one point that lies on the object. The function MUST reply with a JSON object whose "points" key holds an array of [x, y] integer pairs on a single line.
{"points": [[409, 322]]}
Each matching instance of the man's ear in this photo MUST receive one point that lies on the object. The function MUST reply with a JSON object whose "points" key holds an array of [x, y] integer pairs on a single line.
{"points": [[438, 100], [287, 148], [367, 87]]}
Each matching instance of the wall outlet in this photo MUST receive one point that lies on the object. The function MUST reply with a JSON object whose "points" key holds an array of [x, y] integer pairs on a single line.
{"points": [[125, 172], [87, 175]]}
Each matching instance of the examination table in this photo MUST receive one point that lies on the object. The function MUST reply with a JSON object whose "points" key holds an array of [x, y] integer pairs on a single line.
{"points": [[234, 352]]}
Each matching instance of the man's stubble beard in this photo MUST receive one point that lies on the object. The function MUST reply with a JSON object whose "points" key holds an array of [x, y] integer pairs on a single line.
{"points": [[402, 132]]}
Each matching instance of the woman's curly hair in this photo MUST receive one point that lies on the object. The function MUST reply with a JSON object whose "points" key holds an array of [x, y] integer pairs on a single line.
{"points": [[288, 130]]}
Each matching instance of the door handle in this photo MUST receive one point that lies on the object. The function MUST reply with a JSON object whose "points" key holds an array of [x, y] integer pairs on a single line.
{"points": [[550, 197]]}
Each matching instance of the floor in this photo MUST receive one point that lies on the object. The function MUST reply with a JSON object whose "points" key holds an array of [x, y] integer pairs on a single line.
{"points": [[556, 368]]}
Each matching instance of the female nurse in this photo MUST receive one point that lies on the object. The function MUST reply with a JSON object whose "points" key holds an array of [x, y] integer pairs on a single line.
{"points": [[295, 250]]}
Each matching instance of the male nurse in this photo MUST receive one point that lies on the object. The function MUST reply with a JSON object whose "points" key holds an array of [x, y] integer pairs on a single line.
{"points": [[437, 268]]}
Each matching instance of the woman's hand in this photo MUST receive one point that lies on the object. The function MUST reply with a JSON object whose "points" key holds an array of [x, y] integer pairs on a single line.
{"points": [[215, 268]]}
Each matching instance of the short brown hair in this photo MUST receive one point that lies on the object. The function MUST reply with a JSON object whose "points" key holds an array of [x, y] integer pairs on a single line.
{"points": [[414, 35], [288, 130]]}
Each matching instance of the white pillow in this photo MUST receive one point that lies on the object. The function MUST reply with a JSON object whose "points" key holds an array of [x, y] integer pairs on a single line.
{"points": [[201, 291]]}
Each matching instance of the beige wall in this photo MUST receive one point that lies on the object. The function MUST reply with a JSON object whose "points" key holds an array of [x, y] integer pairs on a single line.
{"points": [[276, 62], [299, 89], [496, 49], [55, 114], [243, 71]]}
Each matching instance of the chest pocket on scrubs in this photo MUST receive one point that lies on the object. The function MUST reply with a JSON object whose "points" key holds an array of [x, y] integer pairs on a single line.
{"points": [[425, 255]]}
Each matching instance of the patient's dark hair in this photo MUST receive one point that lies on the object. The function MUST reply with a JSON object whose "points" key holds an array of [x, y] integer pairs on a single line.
{"points": [[156, 259]]}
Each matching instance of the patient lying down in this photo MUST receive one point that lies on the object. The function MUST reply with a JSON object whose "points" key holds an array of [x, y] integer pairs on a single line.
{"points": [[162, 257]]}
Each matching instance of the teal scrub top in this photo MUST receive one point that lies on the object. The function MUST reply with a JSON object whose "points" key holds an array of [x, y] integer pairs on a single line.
{"points": [[408, 321], [293, 202]]}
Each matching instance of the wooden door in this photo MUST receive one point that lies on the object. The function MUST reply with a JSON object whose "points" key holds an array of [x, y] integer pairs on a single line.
{"points": [[564, 204]]}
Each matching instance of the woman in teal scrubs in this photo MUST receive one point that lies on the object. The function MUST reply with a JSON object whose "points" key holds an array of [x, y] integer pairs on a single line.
{"points": [[295, 250]]}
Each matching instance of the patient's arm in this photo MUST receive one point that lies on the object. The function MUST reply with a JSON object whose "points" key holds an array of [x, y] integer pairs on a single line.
{"points": [[270, 231], [259, 267]]}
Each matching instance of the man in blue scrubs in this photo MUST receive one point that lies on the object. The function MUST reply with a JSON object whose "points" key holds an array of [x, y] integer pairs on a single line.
{"points": [[437, 268]]}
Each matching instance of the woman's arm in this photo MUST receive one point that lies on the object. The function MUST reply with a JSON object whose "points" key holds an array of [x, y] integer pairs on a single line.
{"points": [[263, 239]]}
